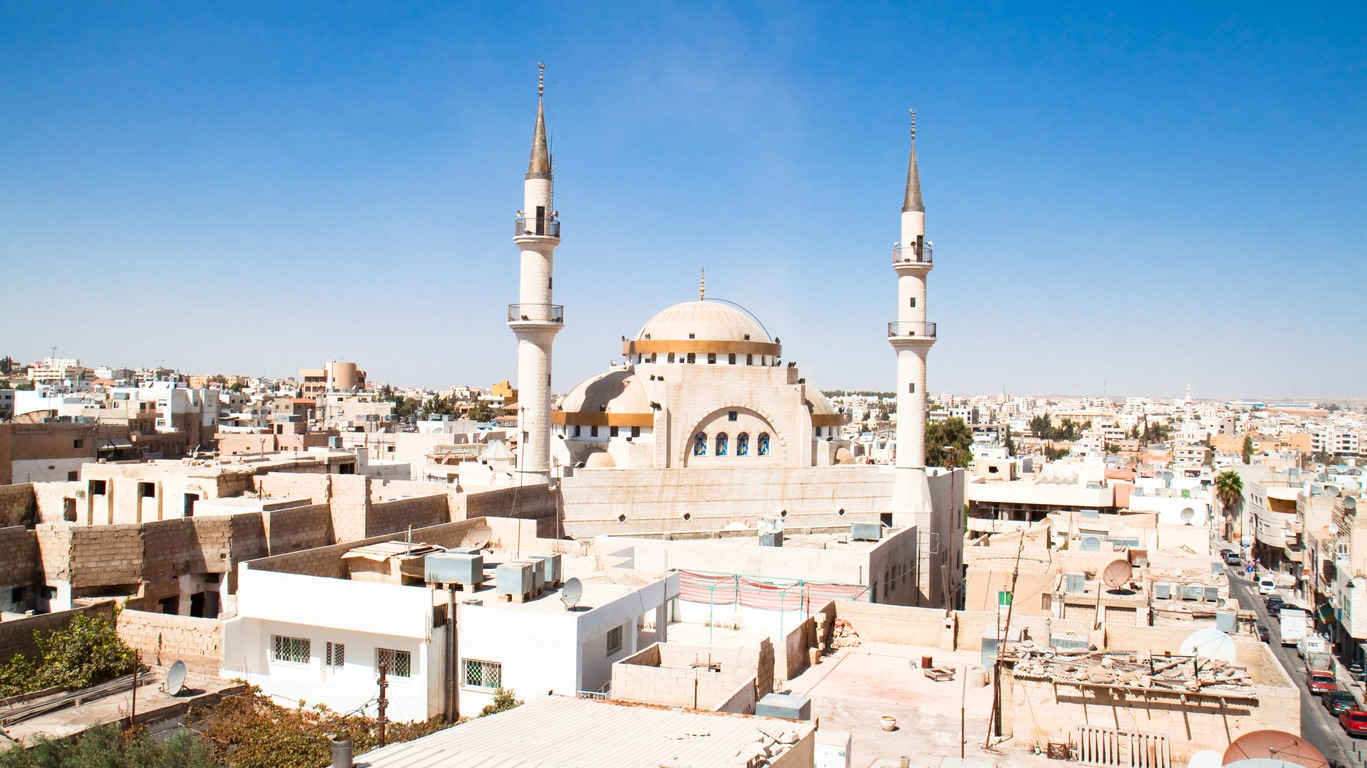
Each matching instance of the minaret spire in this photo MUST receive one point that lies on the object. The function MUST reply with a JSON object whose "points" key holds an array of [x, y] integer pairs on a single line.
{"points": [[702, 284], [540, 165], [912, 200]]}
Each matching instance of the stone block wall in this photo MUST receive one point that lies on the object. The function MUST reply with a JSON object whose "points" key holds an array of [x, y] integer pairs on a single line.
{"points": [[289, 530], [18, 504], [16, 635], [294, 485], [105, 555], [350, 506], [398, 514], [742, 700], [164, 639], [18, 556], [535, 502], [327, 561], [672, 674]]}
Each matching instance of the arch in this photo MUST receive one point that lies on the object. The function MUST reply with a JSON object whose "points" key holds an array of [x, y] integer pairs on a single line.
{"points": [[700, 444], [752, 421], [762, 444], [743, 444], [722, 443]]}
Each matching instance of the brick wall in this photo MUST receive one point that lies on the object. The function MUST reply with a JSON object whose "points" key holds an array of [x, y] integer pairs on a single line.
{"points": [[396, 515], [18, 556], [288, 530], [18, 505], [294, 485], [105, 555], [164, 639], [537, 502], [350, 500], [16, 635]]}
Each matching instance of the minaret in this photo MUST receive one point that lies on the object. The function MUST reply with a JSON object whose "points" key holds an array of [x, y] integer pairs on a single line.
{"points": [[534, 319], [912, 337]]}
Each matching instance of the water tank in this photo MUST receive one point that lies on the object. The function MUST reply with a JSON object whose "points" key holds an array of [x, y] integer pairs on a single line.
{"points": [[866, 531], [514, 578], [1075, 583], [1162, 591], [790, 706], [552, 569], [454, 568]]}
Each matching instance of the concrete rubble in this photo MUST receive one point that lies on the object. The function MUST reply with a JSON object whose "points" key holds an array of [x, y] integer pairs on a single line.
{"points": [[1132, 670]]}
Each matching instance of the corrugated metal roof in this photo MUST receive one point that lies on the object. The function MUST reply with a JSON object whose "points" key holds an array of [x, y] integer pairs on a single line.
{"points": [[564, 732]]}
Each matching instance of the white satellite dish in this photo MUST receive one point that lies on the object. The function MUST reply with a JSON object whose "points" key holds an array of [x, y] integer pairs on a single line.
{"points": [[1209, 644], [477, 538], [1206, 758], [175, 678], [1333, 529], [1091, 544], [571, 593], [1187, 515]]}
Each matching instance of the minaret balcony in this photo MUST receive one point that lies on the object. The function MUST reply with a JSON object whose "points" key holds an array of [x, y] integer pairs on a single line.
{"points": [[535, 226], [906, 329], [911, 254], [541, 314]]}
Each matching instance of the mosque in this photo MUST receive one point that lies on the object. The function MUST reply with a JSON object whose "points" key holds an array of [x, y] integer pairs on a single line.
{"points": [[705, 427]]}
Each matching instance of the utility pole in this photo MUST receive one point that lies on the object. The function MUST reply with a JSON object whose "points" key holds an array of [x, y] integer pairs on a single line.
{"points": [[133, 709], [382, 702], [1003, 634]]}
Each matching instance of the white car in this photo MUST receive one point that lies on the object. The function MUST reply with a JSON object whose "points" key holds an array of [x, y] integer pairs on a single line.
{"points": [[1267, 585]]}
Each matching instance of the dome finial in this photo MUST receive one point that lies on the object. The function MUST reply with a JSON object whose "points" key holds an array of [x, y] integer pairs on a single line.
{"points": [[913, 124], [541, 90], [702, 284]]}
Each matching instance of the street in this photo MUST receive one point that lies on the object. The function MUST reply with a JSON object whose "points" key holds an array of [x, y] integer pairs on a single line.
{"points": [[1317, 725]]}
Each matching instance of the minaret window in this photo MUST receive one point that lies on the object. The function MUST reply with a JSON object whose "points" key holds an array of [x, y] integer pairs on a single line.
{"points": [[723, 442], [731, 358], [593, 431], [635, 431], [612, 432], [671, 357], [576, 430], [743, 444], [711, 358], [692, 357], [912, 387], [749, 359], [764, 444], [913, 302], [700, 444]]}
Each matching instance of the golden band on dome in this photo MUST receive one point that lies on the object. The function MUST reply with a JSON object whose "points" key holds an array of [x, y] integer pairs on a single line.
{"points": [[600, 419]]}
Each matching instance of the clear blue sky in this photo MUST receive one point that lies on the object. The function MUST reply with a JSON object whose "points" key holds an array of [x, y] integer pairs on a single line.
{"points": [[1131, 198]]}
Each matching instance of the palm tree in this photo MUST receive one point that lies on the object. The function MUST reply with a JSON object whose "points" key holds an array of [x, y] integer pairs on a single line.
{"points": [[1229, 491]]}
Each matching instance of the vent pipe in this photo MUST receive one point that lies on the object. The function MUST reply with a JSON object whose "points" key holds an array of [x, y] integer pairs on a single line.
{"points": [[341, 753]]}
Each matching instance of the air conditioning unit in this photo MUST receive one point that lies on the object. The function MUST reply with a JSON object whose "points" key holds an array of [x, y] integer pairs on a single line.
{"points": [[460, 568]]}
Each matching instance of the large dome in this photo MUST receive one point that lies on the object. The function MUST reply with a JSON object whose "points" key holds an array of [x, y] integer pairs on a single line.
{"points": [[613, 398], [703, 321]]}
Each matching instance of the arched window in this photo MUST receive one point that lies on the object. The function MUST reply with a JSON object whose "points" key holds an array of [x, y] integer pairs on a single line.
{"points": [[722, 443], [764, 443], [700, 444], [743, 444]]}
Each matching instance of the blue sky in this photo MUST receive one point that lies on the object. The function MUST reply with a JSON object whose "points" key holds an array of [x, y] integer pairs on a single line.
{"points": [[1127, 198]]}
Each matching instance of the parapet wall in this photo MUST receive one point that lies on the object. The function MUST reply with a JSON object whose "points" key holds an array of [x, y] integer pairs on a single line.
{"points": [[18, 505], [698, 677], [164, 639]]}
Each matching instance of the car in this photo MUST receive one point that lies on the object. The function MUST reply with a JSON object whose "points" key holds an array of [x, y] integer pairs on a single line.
{"points": [[1272, 601], [1262, 633], [1321, 682], [1231, 559], [1267, 585], [1354, 722], [1338, 701]]}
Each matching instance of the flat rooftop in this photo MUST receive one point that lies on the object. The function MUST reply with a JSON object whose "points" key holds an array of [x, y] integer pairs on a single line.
{"points": [[560, 731], [813, 537]]}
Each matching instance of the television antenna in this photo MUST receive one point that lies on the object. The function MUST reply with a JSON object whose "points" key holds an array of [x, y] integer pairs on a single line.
{"points": [[571, 593]]}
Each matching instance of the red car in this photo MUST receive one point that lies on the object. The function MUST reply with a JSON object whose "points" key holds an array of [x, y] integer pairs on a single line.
{"points": [[1354, 721], [1321, 682]]}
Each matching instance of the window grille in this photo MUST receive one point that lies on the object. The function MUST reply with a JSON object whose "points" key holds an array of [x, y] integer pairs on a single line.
{"points": [[399, 663], [614, 640], [336, 654], [483, 674], [294, 650]]}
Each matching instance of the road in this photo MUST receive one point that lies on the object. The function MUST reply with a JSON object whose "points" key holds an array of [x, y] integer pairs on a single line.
{"points": [[1317, 725]]}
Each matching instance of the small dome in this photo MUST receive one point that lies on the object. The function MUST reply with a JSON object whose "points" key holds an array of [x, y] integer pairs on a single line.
{"points": [[614, 391], [704, 321], [819, 404]]}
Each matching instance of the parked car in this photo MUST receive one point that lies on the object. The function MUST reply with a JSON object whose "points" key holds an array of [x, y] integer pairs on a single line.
{"points": [[1273, 601], [1231, 559], [1262, 633], [1321, 682], [1338, 702], [1354, 721], [1267, 585]]}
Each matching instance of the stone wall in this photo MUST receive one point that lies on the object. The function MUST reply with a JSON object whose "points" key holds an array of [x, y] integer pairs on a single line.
{"points": [[295, 528], [164, 639], [534, 502], [294, 485], [18, 504], [327, 561], [16, 635], [398, 514], [105, 555], [18, 557], [897, 624], [679, 675], [350, 506]]}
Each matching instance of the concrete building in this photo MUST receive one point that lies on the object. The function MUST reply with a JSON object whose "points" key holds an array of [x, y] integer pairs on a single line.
{"points": [[336, 376]]}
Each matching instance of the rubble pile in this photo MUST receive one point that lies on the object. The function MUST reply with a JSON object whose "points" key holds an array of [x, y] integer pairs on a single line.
{"points": [[845, 636], [1174, 673]]}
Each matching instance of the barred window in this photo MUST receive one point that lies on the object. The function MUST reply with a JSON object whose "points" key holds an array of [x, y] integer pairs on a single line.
{"points": [[614, 640], [336, 654], [292, 649], [487, 675], [399, 663]]}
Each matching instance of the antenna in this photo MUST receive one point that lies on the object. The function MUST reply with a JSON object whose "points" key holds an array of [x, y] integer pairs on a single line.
{"points": [[175, 678], [571, 593]]}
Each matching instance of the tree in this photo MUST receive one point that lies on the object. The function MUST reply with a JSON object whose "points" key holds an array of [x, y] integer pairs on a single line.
{"points": [[481, 411], [1229, 491], [504, 700], [949, 442], [88, 652], [1248, 449], [105, 747], [1009, 443], [6, 365]]}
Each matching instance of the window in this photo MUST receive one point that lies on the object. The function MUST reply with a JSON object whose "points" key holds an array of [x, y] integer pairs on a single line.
{"points": [[692, 358], [147, 490], [399, 663], [614, 640], [671, 357], [764, 443], [700, 444], [912, 387], [731, 358], [73, 476], [749, 359], [294, 650], [577, 429], [723, 442], [743, 444], [336, 657], [78, 443], [612, 431], [913, 302], [487, 675], [593, 431], [730, 415], [635, 431], [97, 487]]}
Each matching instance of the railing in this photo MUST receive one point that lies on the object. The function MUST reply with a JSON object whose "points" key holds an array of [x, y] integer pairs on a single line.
{"points": [[906, 328], [536, 313], [903, 254], [537, 227]]}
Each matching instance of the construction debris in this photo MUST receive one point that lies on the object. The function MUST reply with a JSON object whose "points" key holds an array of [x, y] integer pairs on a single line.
{"points": [[845, 636], [1191, 674]]}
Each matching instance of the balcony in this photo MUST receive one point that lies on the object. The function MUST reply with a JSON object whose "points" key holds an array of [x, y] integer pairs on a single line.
{"points": [[904, 329], [536, 313], [532, 226], [910, 254]]}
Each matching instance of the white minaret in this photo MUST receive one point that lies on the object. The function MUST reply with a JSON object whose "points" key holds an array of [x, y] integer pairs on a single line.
{"points": [[912, 337], [534, 319]]}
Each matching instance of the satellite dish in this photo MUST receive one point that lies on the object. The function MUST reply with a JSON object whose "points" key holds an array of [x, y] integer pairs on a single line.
{"points": [[477, 538], [571, 593], [1091, 544], [1208, 644], [1117, 574], [1350, 505], [1206, 758], [1274, 746], [1333, 529], [1187, 515], [175, 678], [1331, 490]]}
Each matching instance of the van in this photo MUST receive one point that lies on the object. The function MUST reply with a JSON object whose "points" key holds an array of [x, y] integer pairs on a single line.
{"points": [[1267, 585]]}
